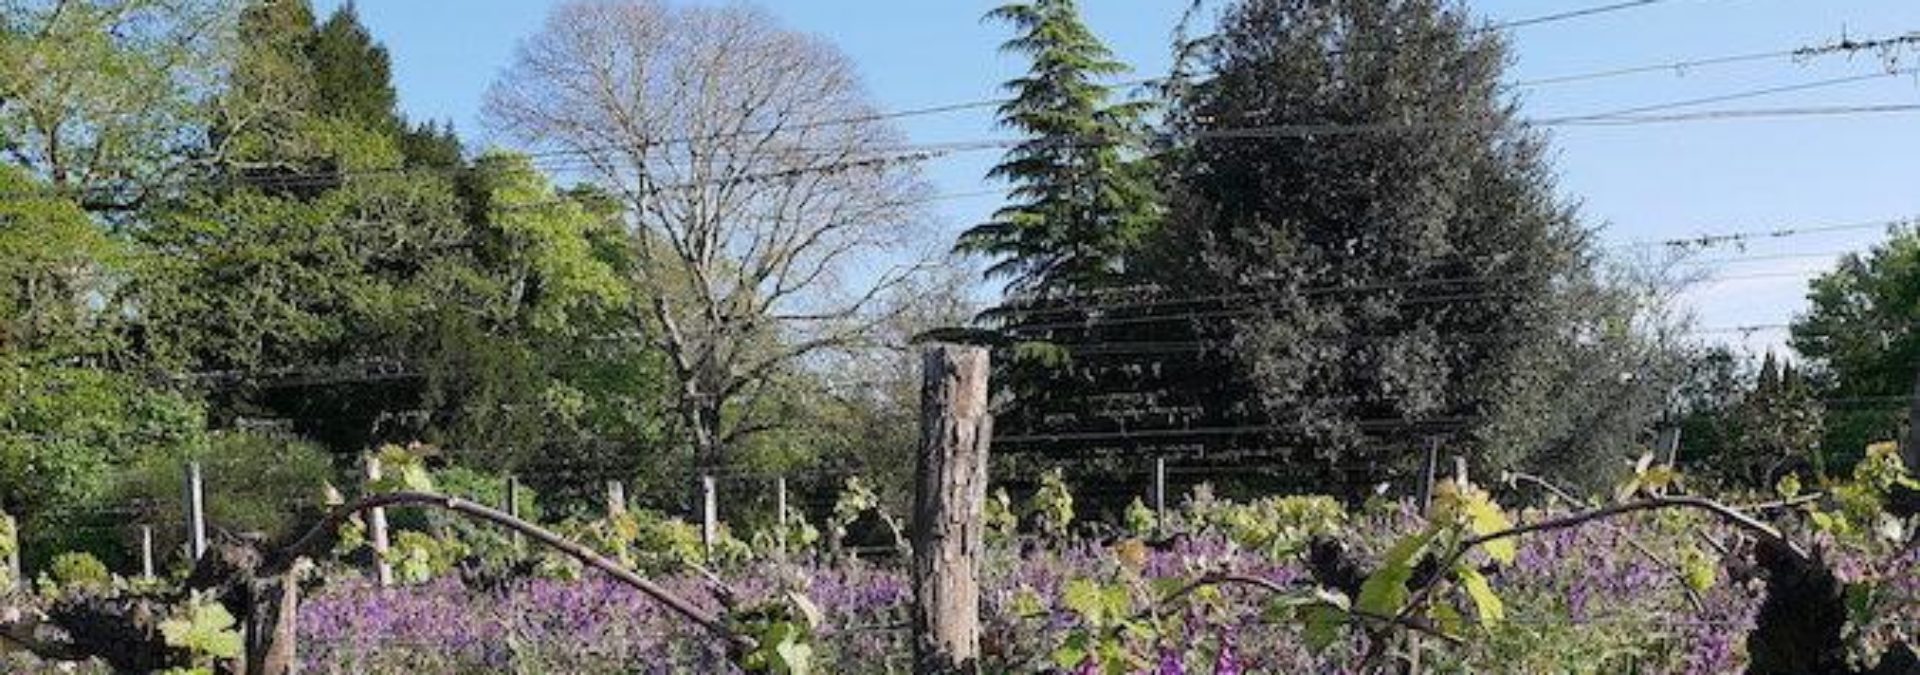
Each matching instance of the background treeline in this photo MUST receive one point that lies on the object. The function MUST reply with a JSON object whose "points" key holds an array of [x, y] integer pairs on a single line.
{"points": [[1327, 241], [221, 241]]}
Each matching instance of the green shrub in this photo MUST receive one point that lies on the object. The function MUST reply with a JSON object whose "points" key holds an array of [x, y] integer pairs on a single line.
{"points": [[64, 434], [76, 570], [253, 482]]}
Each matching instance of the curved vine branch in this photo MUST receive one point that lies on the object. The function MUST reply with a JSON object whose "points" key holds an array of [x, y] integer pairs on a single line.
{"points": [[1274, 587], [1727, 513], [321, 532], [1724, 512]]}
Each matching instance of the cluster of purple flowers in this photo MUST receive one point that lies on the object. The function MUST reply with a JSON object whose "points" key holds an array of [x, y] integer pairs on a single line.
{"points": [[1609, 594]]}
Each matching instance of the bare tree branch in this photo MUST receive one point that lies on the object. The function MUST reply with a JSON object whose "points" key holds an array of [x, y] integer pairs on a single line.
{"points": [[759, 186]]}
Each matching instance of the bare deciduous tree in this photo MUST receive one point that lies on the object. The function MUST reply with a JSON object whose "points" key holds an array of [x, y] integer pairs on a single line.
{"points": [[771, 208]]}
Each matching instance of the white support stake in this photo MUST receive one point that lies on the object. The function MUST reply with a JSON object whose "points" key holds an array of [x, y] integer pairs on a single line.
{"points": [[513, 509], [196, 513], [616, 499], [780, 511], [146, 552], [377, 526], [709, 516]]}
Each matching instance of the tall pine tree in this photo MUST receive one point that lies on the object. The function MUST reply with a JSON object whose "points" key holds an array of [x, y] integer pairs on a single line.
{"points": [[1081, 199]]}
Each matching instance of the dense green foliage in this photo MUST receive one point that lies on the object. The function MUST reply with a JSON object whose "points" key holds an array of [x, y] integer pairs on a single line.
{"points": [[1425, 278], [1330, 242], [1861, 335]]}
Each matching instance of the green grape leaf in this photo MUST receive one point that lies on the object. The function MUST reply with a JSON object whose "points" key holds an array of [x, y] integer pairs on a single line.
{"points": [[1084, 597], [1026, 602], [1446, 618], [1699, 571], [1072, 652], [1485, 603], [205, 627], [1862, 599], [1385, 591], [1485, 517], [1320, 625], [795, 657], [1788, 486]]}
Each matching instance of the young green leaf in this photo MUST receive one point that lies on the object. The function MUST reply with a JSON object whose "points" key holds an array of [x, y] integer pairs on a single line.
{"points": [[1385, 591], [1485, 603]]}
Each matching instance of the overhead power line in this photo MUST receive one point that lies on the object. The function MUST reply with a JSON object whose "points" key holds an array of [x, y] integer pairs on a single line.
{"points": [[1573, 14], [912, 153], [1840, 46]]}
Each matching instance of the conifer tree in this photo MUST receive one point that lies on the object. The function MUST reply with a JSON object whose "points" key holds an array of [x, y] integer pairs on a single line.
{"points": [[1081, 201], [352, 73]]}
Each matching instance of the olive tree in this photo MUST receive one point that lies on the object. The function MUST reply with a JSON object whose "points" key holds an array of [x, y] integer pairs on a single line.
{"points": [[771, 213]]}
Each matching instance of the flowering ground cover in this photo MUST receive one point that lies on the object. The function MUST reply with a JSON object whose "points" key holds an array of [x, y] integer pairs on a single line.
{"points": [[1648, 593]]}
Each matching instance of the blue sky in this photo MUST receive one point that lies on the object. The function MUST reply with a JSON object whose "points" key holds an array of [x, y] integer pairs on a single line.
{"points": [[1636, 183]]}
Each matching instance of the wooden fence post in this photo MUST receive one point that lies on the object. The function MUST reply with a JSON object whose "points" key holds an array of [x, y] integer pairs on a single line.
{"points": [[377, 525], [780, 513], [513, 509], [1425, 496], [1460, 470], [616, 499], [949, 497], [146, 552], [196, 513], [1160, 491], [1911, 453], [709, 515], [12, 524], [1669, 441]]}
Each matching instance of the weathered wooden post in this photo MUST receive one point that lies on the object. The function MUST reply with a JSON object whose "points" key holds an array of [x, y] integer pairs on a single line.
{"points": [[513, 509], [1911, 453], [949, 496], [1160, 491], [10, 529], [196, 512], [1460, 470], [780, 513], [377, 524], [616, 499], [1669, 440], [146, 552], [1425, 496], [709, 515]]}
